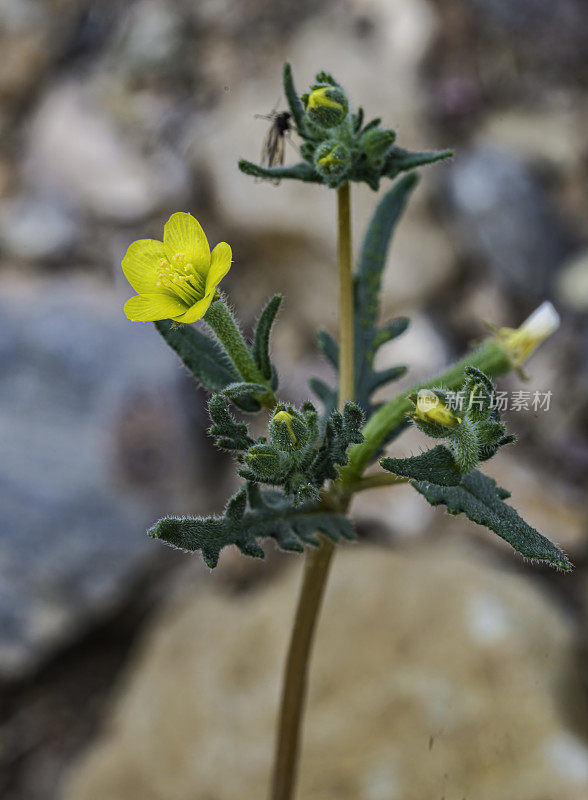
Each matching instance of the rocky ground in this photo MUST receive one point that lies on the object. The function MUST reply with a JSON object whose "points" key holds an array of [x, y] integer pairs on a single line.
{"points": [[115, 114]]}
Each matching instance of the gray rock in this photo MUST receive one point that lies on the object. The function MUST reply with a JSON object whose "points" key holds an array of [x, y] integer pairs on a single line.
{"points": [[504, 220], [94, 447], [36, 227]]}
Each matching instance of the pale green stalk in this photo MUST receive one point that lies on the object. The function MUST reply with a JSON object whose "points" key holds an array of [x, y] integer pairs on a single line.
{"points": [[316, 568]]}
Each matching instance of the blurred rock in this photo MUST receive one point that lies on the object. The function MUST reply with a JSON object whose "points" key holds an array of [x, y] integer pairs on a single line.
{"points": [[75, 152], [454, 691], [94, 447], [572, 283], [36, 228], [505, 222]]}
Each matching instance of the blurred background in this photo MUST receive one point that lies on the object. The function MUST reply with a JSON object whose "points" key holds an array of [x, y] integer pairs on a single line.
{"points": [[446, 667]]}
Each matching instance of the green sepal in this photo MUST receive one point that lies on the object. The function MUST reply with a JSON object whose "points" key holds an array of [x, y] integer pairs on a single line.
{"points": [[262, 336], [229, 435], [481, 500], [301, 172], [250, 515], [435, 466], [206, 359]]}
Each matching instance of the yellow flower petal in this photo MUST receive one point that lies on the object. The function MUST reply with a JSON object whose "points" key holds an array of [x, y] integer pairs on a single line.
{"points": [[183, 234], [220, 264], [140, 265], [197, 311], [150, 307]]}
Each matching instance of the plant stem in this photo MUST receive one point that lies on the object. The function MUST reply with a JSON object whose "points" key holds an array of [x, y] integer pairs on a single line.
{"points": [[224, 325], [376, 481], [346, 364], [316, 568], [489, 357]]}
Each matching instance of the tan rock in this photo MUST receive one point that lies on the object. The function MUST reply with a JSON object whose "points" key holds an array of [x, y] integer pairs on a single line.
{"points": [[434, 675]]}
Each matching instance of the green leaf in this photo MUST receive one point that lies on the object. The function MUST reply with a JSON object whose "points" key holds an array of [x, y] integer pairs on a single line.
{"points": [[204, 357], [230, 435], [368, 282], [262, 336], [245, 395], [301, 172], [294, 101], [481, 500], [270, 515], [435, 466], [326, 395], [399, 160]]}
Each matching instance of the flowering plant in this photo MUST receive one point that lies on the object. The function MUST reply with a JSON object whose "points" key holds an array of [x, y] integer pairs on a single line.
{"points": [[300, 476]]}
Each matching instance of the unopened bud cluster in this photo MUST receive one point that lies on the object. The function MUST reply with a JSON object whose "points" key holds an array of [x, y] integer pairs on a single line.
{"points": [[335, 143], [473, 432], [295, 456]]}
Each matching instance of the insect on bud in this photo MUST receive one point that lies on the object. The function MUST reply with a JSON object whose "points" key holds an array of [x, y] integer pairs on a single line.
{"points": [[326, 106]]}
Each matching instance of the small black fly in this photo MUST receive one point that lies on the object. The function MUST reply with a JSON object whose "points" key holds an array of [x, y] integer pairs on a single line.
{"points": [[273, 151]]}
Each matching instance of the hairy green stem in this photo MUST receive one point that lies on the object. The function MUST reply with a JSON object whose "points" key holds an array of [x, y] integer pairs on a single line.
{"points": [[489, 357], [316, 568], [223, 324]]}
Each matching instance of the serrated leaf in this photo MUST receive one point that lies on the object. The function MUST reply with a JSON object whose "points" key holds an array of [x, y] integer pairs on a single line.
{"points": [[270, 515], [230, 435], [368, 281], [481, 500], [262, 336], [435, 466], [301, 172], [204, 357], [325, 393]]}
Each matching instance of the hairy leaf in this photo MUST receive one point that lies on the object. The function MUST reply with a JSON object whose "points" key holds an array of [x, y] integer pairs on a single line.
{"points": [[399, 160], [262, 336], [270, 515], [294, 101], [481, 500], [204, 357], [435, 466], [302, 172], [230, 435]]}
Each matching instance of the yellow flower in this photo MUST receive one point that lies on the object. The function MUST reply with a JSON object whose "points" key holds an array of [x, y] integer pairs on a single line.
{"points": [[177, 278], [520, 343]]}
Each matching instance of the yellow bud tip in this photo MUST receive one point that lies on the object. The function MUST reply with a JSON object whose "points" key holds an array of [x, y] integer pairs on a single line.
{"points": [[430, 408], [520, 343], [286, 419], [318, 97]]}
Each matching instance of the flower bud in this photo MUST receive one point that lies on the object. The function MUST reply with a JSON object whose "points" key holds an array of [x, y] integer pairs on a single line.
{"points": [[326, 106], [287, 429], [264, 461], [376, 142], [332, 160], [520, 343], [431, 408], [431, 415]]}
